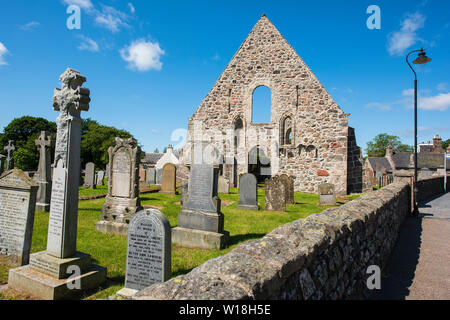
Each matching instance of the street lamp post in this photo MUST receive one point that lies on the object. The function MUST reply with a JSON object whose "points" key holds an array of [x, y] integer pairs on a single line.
{"points": [[421, 59]]}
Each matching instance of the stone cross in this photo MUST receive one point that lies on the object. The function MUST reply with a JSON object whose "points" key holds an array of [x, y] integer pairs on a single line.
{"points": [[43, 175], [70, 100], [10, 160]]}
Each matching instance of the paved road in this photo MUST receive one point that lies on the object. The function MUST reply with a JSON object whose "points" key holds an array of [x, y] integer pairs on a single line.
{"points": [[419, 267]]}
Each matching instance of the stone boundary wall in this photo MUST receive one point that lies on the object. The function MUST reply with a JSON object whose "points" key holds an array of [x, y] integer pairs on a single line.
{"points": [[431, 186], [323, 256]]}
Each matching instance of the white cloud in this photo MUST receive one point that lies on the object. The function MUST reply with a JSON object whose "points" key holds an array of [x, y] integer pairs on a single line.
{"points": [[443, 86], [30, 25], [3, 51], [401, 40], [440, 102], [386, 106], [131, 7], [111, 18], [143, 55], [84, 4], [88, 44]]}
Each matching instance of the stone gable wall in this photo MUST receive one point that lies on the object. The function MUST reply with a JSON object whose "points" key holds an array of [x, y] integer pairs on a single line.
{"points": [[319, 149]]}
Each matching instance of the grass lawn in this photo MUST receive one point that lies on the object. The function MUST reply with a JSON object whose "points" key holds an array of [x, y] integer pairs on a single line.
{"points": [[110, 250]]}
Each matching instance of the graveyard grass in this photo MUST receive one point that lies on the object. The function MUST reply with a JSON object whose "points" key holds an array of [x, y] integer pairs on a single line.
{"points": [[110, 250]]}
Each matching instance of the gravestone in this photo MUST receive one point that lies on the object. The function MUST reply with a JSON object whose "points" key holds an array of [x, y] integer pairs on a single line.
{"points": [[148, 251], [248, 192], [151, 176], [142, 173], [327, 196], [122, 200], [200, 222], [2, 163], [169, 178], [89, 176], [43, 175], [100, 178], [17, 205], [275, 198], [223, 185], [184, 193], [10, 148], [48, 274], [289, 187], [158, 176]]}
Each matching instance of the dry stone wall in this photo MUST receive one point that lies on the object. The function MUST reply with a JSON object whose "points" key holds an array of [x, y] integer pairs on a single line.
{"points": [[324, 256]]}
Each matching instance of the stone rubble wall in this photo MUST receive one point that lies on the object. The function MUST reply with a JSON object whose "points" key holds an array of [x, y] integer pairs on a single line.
{"points": [[431, 186], [323, 256]]}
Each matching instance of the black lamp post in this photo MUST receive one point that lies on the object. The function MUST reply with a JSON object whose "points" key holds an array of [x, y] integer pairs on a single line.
{"points": [[421, 59]]}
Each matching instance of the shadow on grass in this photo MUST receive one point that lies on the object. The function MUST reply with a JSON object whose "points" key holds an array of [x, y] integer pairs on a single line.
{"points": [[238, 238]]}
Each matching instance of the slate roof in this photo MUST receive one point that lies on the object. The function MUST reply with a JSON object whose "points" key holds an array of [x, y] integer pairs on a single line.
{"points": [[152, 157], [405, 160], [379, 163]]}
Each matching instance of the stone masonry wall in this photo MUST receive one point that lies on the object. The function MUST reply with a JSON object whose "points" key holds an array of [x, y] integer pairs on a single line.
{"points": [[319, 148], [324, 256], [431, 186]]}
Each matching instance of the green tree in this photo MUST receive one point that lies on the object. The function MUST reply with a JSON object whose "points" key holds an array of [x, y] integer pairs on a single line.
{"points": [[377, 147], [445, 144], [156, 150], [24, 131], [95, 141]]}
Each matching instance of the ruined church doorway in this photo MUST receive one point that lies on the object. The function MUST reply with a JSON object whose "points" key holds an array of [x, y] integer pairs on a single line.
{"points": [[259, 164]]}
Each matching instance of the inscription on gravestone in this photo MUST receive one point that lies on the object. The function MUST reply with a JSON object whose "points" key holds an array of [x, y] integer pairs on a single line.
{"points": [[121, 173], [148, 250], [248, 192], [202, 189], [17, 205]]}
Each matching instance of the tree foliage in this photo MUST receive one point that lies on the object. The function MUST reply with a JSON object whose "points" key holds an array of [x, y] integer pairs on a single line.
{"points": [[95, 141], [377, 147], [445, 144]]}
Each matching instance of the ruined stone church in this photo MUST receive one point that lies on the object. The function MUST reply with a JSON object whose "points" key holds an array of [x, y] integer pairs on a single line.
{"points": [[313, 141]]}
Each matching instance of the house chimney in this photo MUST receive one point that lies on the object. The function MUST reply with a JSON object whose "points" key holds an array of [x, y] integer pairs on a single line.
{"points": [[437, 145], [389, 154]]}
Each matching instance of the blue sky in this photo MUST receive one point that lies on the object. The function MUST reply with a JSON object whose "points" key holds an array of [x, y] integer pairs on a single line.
{"points": [[149, 64]]}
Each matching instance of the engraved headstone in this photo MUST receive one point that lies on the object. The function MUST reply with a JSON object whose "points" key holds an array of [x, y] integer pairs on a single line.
{"points": [[43, 175], [248, 192], [142, 173], [200, 222], [10, 148], [289, 187], [148, 250], [158, 176], [122, 200], [275, 194], [89, 176], [151, 175], [223, 185], [47, 275], [327, 196], [169, 178], [17, 205], [100, 178]]}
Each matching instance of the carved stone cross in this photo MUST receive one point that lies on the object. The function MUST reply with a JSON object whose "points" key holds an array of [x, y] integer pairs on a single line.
{"points": [[10, 160]]}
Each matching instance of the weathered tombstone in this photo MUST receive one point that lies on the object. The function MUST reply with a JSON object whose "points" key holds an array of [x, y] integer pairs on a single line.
{"points": [[151, 176], [275, 197], [89, 176], [2, 163], [100, 178], [184, 193], [10, 148], [148, 251], [169, 178], [42, 177], [200, 222], [48, 274], [142, 173], [158, 176], [17, 205], [223, 185], [327, 196], [248, 192], [122, 200], [289, 187]]}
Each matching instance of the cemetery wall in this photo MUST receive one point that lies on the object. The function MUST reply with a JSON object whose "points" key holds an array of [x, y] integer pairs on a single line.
{"points": [[324, 256], [431, 186]]}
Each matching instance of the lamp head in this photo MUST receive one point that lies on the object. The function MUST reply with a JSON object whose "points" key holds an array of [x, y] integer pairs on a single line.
{"points": [[422, 58]]}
